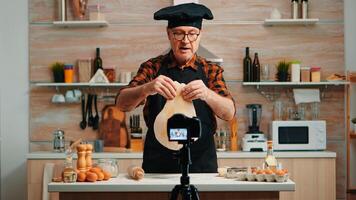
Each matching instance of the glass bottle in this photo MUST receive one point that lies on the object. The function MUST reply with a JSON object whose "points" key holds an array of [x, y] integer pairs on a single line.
{"points": [[247, 70], [98, 62], [256, 69], [69, 173], [270, 160]]}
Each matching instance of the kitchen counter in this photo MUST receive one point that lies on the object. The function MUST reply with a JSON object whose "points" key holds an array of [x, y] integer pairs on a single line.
{"points": [[208, 185], [165, 182], [307, 170], [229, 154]]}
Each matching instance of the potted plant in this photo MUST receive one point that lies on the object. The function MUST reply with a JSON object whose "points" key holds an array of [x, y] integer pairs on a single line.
{"points": [[282, 71], [58, 72], [354, 123]]}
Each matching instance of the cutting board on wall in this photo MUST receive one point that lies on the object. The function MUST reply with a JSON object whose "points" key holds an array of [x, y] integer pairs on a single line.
{"points": [[113, 129]]}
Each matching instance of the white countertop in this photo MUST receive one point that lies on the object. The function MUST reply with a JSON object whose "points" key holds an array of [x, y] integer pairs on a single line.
{"points": [[231, 154], [166, 182]]}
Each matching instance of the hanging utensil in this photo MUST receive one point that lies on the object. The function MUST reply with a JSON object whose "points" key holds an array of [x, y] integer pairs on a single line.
{"points": [[90, 111], [83, 123], [96, 118]]}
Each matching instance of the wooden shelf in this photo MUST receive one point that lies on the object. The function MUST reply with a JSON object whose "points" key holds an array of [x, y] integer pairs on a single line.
{"points": [[352, 134], [80, 84], [278, 22], [275, 83], [72, 24]]}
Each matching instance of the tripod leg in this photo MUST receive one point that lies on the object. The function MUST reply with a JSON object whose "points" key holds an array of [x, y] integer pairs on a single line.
{"points": [[175, 192], [186, 194], [195, 194]]}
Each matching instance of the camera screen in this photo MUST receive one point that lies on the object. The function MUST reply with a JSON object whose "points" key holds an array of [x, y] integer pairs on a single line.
{"points": [[178, 134]]}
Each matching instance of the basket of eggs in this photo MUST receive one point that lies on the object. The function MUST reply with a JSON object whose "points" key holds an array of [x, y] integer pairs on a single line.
{"points": [[269, 175], [254, 174]]}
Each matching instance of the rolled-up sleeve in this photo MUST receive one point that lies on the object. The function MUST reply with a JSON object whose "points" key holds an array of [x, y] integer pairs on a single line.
{"points": [[216, 81], [145, 74]]}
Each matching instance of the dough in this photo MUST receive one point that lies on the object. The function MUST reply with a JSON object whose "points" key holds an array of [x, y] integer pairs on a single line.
{"points": [[177, 105]]}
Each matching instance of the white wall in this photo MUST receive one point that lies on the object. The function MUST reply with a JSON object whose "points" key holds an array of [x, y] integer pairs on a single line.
{"points": [[350, 61], [14, 88], [350, 34]]}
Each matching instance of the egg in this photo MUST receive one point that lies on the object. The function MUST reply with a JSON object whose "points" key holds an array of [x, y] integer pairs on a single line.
{"points": [[81, 177], [280, 173], [100, 176], [95, 170], [107, 175], [91, 177]]}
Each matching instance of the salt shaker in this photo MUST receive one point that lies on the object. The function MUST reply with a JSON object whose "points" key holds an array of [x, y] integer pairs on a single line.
{"points": [[58, 141]]}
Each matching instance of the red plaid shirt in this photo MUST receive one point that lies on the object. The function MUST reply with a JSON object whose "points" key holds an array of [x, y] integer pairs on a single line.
{"points": [[149, 69]]}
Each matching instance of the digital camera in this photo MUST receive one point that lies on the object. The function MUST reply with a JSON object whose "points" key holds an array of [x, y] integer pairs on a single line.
{"points": [[183, 129]]}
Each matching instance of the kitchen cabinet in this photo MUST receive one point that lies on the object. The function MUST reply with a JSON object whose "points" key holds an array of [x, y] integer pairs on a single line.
{"points": [[351, 134]]}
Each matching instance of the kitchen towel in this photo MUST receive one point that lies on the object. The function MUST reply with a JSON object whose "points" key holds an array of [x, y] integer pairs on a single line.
{"points": [[99, 77], [306, 95]]}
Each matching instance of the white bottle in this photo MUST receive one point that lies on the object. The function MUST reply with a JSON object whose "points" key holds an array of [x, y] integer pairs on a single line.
{"points": [[304, 9], [295, 71], [294, 9], [62, 10]]}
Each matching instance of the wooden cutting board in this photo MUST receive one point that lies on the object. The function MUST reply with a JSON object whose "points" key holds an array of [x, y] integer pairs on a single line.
{"points": [[113, 129], [177, 105]]}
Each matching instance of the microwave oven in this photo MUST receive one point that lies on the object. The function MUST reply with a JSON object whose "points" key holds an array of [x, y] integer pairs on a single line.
{"points": [[298, 135]]}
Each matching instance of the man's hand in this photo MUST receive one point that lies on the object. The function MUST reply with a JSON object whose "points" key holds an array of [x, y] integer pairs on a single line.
{"points": [[162, 85], [195, 90]]}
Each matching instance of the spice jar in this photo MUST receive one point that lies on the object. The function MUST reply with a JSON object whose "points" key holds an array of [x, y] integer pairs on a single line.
{"points": [[110, 74], [305, 74], [69, 174], [68, 73], [315, 74]]}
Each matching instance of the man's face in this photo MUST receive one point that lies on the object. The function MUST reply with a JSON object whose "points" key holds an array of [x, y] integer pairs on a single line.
{"points": [[184, 49]]}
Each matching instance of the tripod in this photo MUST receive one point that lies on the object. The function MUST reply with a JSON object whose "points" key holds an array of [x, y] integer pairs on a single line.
{"points": [[187, 191]]}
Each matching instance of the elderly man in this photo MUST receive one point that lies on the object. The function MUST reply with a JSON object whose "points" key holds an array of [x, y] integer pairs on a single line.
{"points": [[205, 87]]}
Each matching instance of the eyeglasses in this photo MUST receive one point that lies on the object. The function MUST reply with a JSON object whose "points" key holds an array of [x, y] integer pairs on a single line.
{"points": [[181, 35]]}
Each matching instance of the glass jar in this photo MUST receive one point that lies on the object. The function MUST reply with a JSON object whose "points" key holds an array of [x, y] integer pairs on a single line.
{"points": [[278, 110], [109, 165], [110, 74], [315, 74], [295, 68], [305, 74], [69, 174], [68, 73]]}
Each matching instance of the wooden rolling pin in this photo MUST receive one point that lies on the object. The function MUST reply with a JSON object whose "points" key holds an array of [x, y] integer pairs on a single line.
{"points": [[135, 172]]}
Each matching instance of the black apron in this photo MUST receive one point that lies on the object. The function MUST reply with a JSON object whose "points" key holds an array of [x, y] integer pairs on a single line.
{"points": [[159, 159]]}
